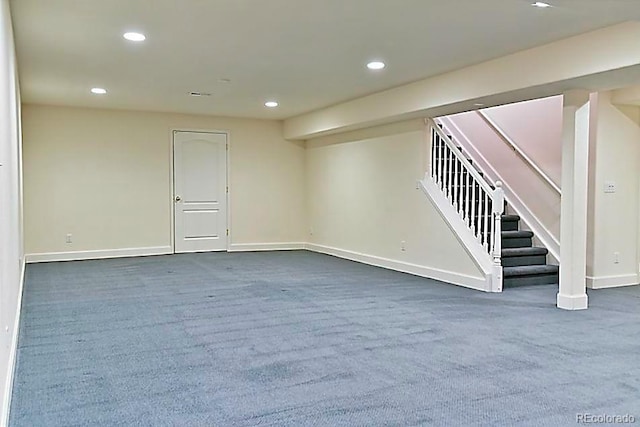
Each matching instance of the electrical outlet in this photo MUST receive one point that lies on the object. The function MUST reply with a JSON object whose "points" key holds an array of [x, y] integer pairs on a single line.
{"points": [[68, 238], [616, 257], [403, 246], [609, 186]]}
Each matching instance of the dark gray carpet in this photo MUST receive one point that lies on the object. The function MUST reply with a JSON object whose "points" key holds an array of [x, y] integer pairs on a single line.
{"points": [[297, 339]]}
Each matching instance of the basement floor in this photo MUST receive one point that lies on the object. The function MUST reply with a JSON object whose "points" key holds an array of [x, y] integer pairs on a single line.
{"points": [[298, 338]]}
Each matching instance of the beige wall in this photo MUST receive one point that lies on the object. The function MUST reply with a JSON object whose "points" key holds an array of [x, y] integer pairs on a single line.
{"points": [[105, 177], [11, 250], [363, 200], [536, 128], [614, 217]]}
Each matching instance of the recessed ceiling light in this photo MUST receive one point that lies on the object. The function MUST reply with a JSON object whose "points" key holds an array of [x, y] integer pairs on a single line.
{"points": [[271, 104], [478, 104], [98, 91], [540, 4], [196, 93], [376, 65], [134, 37], [224, 80]]}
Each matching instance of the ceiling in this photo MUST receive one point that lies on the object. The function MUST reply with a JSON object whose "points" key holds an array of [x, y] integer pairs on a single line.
{"points": [[306, 54]]}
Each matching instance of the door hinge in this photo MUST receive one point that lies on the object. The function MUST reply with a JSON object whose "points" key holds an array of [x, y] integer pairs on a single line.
{"points": [[227, 189], [227, 231]]}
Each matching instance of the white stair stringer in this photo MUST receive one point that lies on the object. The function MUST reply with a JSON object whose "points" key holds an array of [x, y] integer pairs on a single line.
{"points": [[484, 261]]}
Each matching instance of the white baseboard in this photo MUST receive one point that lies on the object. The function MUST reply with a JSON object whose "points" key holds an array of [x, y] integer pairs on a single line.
{"points": [[573, 302], [464, 280], [13, 352], [98, 254], [250, 247], [604, 282]]}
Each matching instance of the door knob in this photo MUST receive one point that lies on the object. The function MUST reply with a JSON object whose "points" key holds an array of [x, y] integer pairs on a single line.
{"points": [[178, 198]]}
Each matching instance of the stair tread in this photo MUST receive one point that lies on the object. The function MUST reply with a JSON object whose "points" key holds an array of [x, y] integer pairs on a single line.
{"points": [[510, 217], [526, 251], [516, 234], [530, 270]]}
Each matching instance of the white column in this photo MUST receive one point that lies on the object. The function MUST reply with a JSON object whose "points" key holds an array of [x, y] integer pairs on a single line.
{"points": [[572, 294]]}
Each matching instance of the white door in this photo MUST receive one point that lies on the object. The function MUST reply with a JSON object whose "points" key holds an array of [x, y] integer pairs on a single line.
{"points": [[200, 191]]}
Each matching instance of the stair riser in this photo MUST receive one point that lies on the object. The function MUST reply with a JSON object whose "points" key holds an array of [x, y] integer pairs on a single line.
{"points": [[509, 225], [519, 242], [541, 279], [517, 261]]}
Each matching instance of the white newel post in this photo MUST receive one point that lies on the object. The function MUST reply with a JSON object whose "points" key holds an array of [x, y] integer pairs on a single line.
{"points": [[497, 211], [572, 293]]}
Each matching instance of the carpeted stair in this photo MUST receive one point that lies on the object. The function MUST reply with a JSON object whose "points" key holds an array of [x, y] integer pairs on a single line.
{"points": [[522, 263]]}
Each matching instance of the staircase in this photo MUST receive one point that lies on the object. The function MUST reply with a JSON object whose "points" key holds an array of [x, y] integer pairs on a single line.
{"points": [[516, 262], [522, 263]]}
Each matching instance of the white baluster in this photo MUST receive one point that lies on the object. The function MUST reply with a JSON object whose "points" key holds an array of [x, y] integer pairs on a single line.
{"points": [[479, 214], [441, 162], [433, 154], [456, 185], [444, 167], [467, 198], [473, 206], [447, 177], [492, 237], [486, 214], [460, 193]]}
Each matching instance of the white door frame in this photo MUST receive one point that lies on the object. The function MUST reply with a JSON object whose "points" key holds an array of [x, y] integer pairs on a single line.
{"points": [[172, 181]]}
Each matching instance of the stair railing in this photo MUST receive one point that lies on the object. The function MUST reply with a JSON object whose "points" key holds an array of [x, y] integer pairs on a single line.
{"points": [[476, 201]]}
